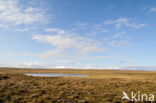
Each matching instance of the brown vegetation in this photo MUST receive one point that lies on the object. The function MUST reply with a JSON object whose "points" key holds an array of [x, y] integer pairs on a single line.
{"points": [[100, 86]]}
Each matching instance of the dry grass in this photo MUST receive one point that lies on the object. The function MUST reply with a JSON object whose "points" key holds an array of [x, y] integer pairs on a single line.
{"points": [[101, 86]]}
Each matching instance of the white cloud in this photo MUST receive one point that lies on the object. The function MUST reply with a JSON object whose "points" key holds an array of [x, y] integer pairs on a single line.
{"points": [[117, 22], [61, 67], [52, 54], [99, 28], [55, 30], [105, 31], [31, 65], [26, 64], [67, 45], [91, 48], [11, 12], [41, 65], [81, 24], [70, 46], [34, 64], [120, 43], [80, 44], [22, 30], [120, 39], [56, 40], [127, 61], [119, 35], [153, 9], [56, 53], [148, 68], [137, 26], [89, 66], [3, 26], [120, 20], [124, 21]]}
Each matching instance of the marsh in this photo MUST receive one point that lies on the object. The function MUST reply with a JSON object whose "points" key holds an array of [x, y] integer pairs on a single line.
{"points": [[99, 86]]}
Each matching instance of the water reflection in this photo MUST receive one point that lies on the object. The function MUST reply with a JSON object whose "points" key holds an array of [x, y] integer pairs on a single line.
{"points": [[55, 74]]}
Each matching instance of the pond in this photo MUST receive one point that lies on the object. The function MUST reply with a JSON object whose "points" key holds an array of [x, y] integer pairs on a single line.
{"points": [[55, 74]]}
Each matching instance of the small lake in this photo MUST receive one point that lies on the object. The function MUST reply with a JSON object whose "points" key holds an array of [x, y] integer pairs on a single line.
{"points": [[55, 74]]}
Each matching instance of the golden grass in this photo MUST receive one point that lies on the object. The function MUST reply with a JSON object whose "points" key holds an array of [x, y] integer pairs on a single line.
{"points": [[100, 86]]}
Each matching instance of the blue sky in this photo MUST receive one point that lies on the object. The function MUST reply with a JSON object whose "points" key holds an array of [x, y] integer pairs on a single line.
{"points": [[78, 33]]}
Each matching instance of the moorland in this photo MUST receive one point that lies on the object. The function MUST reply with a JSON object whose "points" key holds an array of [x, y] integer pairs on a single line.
{"points": [[99, 86]]}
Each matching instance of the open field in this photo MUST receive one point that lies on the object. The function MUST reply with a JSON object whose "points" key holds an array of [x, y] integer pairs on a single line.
{"points": [[100, 86]]}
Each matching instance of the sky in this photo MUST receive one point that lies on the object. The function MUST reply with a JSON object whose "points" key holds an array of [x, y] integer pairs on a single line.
{"points": [[111, 34]]}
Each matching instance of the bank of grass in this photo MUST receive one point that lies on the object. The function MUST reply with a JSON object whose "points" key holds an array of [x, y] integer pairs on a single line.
{"points": [[100, 86]]}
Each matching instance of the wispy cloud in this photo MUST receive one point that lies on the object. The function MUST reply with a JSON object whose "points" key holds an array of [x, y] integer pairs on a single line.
{"points": [[56, 65], [55, 30], [76, 43], [120, 43], [69, 41], [34, 64], [123, 21], [127, 62], [81, 24], [22, 30], [12, 13], [67, 44], [3, 26], [51, 54], [153, 9], [27, 64], [119, 35], [120, 39]]}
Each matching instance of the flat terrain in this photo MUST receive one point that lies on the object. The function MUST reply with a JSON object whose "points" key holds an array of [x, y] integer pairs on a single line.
{"points": [[100, 86]]}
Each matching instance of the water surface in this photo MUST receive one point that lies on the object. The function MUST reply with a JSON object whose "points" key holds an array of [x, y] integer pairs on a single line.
{"points": [[55, 74]]}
